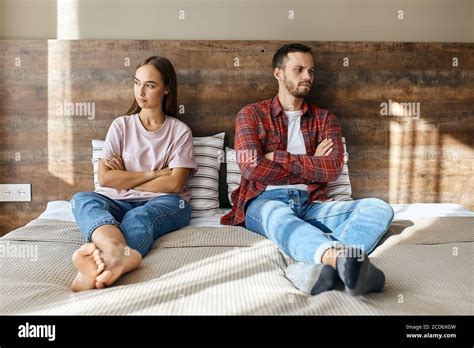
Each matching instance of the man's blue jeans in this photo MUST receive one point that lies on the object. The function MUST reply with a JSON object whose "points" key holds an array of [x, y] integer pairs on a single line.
{"points": [[304, 231], [140, 222]]}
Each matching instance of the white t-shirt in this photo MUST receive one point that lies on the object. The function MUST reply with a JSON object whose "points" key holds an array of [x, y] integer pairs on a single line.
{"points": [[141, 150], [295, 145]]}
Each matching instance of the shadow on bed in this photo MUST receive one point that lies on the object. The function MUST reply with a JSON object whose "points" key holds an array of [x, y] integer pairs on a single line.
{"points": [[395, 228]]}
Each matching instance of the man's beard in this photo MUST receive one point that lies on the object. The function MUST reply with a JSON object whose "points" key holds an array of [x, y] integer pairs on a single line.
{"points": [[294, 90]]}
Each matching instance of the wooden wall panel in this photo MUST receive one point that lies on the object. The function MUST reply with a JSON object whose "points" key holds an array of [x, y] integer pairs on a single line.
{"points": [[398, 159]]}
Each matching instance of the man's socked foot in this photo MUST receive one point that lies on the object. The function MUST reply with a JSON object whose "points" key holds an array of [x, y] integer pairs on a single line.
{"points": [[358, 274], [312, 278], [89, 264], [119, 259]]}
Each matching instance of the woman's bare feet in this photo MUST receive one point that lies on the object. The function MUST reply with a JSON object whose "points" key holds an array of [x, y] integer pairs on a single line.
{"points": [[119, 259], [89, 263]]}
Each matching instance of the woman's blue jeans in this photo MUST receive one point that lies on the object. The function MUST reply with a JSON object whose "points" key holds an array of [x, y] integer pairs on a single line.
{"points": [[140, 222], [304, 231]]}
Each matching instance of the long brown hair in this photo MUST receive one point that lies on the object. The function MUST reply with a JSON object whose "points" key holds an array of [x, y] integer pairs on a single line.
{"points": [[166, 69]]}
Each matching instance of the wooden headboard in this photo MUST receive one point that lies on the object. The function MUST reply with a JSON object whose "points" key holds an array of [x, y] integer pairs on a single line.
{"points": [[419, 150]]}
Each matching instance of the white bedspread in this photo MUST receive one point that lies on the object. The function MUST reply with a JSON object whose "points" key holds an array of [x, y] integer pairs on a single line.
{"points": [[61, 210]]}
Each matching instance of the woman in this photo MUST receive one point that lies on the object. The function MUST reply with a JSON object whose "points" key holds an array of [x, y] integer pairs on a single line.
{"points": [[145, 163]]}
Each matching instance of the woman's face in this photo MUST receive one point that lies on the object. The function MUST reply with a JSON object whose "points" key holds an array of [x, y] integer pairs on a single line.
{"points": [[149, 88]]}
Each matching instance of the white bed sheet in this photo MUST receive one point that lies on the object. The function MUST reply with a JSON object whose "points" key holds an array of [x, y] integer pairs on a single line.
{"points": [[61, 210]]}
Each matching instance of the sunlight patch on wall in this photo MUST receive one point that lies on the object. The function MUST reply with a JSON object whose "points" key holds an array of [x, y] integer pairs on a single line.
{"points": [[456, 182], [60, 138], [427, 165], [61, 108], [68, 19]]}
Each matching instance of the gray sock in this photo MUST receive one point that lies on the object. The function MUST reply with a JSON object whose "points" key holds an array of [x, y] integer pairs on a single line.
{"points": [[358, 274], [312, 278]]}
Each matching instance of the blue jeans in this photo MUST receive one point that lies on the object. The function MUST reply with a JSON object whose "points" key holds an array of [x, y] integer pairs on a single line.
{"points": [[304, 231], [140, 222]]}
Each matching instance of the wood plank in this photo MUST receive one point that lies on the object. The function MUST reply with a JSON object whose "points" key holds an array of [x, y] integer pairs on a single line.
{"points": [[432, 156]]}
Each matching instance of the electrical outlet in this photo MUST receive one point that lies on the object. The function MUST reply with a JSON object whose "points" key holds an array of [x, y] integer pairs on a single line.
{"points": [[15, 192]]}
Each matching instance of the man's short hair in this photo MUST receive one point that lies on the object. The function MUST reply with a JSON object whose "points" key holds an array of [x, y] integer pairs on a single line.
{"points": [[281, 56]]}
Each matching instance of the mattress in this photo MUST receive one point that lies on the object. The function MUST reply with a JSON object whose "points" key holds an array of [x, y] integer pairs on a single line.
{"points": [[204, 269]]}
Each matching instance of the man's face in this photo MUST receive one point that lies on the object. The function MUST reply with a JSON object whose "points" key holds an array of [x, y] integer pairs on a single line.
{"points": [[297, 75]]}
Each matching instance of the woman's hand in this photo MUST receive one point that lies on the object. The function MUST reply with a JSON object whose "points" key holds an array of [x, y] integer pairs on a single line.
{"points": [[115, 163], [324, 148]]}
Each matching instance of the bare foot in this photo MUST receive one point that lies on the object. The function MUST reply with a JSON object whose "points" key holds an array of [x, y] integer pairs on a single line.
{"points": [[89, 263], [119, 259]]}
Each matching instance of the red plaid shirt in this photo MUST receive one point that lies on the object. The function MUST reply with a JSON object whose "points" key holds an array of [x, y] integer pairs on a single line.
{"points": [[263, 127]]}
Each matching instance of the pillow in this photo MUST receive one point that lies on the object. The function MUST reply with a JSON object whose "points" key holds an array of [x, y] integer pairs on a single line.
{"points": [[204, 184], [233, 172], [97, 146], [339, 190]]}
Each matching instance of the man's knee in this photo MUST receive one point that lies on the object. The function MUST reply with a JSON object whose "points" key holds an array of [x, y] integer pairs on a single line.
{"points": [[379, 207], [266, 214]]}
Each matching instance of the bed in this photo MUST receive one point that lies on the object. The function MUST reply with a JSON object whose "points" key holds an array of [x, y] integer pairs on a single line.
{"points": [[206, 268]]}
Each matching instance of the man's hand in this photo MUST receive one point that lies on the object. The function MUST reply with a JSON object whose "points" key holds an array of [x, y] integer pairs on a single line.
{"points": [[324, 148], [163, 172], [269, 156], [115, 163]]}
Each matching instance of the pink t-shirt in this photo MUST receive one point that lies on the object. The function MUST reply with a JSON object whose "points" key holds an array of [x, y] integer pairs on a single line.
{"points": [[141, 150]]}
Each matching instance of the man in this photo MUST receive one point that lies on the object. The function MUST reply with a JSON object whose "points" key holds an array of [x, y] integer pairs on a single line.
{"points": [[282, 193]]}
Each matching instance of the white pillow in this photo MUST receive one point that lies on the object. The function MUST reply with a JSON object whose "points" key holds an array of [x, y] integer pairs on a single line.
{"points": [[204, 184], [339, 190], [97, 146], [233, 172]]}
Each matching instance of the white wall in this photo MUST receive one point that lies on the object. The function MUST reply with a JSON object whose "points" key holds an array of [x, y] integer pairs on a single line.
{"points": [[319, 20]]}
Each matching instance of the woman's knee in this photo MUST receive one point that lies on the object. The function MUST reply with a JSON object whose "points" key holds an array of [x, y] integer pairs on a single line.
{"points": [[80, 198], [149, 221], [167, 205]]}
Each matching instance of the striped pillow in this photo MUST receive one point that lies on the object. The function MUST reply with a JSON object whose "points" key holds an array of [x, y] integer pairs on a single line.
{"points": [[339, 190], [204, 184]]}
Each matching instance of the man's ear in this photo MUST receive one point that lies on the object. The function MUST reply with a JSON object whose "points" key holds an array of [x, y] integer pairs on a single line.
{"points": [[277, 73]]}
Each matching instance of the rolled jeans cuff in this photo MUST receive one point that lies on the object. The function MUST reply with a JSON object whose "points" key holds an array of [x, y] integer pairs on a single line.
{"points": [[318, 255], [97, 225]]}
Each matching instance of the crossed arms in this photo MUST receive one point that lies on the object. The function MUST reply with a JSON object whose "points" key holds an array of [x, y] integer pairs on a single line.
{"points": [[280, 167], [112, 173]]}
